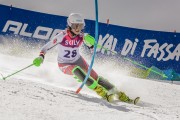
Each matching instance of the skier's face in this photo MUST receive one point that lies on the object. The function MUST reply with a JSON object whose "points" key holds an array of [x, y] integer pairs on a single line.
{"points": [[76, 28]]}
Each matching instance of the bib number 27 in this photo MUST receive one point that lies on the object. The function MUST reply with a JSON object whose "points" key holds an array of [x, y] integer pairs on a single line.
{"points": [[70, 54]]}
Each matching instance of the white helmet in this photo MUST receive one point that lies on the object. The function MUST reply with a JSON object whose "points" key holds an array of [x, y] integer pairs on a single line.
{"points": [[75, 18]]}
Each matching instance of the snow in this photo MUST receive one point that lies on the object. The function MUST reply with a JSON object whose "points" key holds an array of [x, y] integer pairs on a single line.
{"points": [[45, 93]]}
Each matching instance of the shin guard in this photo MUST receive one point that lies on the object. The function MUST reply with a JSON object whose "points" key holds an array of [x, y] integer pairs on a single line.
{"points": [[105, 83], [80, 75]]}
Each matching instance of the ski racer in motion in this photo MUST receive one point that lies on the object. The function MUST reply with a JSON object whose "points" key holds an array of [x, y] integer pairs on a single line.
{"points": [[71, 62]]}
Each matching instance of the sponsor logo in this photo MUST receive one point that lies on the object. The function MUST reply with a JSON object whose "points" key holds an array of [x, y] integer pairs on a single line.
{"points": [[19, 28], [72, 42], [151, 48]]}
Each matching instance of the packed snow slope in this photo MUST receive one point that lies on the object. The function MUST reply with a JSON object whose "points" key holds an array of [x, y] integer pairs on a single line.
{"points": [[45, 93]]}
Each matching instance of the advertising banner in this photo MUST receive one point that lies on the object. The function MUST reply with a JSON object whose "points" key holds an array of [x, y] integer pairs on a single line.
{"points": [[151, 48]]}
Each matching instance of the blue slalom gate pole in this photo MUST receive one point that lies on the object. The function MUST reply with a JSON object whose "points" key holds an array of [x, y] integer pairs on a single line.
{"points": [[95, 46]]}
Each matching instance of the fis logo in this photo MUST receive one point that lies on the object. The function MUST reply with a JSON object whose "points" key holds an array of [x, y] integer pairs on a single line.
{"points": [[19, 28]]}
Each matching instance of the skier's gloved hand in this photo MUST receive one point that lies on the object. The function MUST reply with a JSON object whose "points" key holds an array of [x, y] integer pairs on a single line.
{"points": [[89, 40], [38, 61]]}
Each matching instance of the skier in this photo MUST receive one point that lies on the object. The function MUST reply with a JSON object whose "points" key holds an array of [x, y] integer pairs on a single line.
{"points": [[72, 63]]}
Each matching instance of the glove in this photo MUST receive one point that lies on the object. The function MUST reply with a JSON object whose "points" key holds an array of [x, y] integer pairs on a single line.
{"points": [[89, 40], [38, 61]]}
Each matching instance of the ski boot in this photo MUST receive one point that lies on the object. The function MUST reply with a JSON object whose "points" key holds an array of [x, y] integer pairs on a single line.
{"points": [[108, 87], [100, 87], [101, 91], [123, 97]]}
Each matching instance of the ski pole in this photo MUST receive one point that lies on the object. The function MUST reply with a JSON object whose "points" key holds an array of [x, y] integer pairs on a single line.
{"points": [[4, 78], [90, 40], [143, 66], [134, 62]]}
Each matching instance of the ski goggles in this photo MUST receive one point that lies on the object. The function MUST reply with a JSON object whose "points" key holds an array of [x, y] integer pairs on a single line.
{"points": [[77, 26]]}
